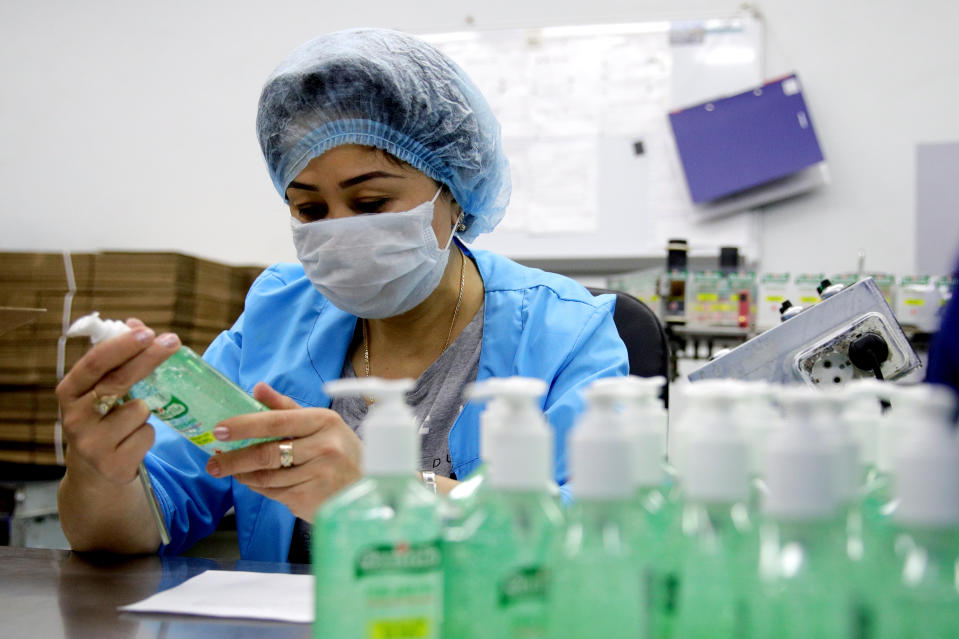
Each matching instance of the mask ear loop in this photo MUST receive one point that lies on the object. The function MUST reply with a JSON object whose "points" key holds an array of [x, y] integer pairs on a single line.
{"points": [[457, 226]]}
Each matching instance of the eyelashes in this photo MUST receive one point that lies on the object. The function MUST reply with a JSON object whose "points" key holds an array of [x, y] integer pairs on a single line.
{"points": [[314, 212]]}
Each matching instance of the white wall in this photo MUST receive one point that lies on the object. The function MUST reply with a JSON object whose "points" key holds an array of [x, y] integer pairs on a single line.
{"points": [[130, 125]]}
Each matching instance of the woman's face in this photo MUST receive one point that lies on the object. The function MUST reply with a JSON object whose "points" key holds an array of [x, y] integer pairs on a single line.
{"points": [[353, 180]]}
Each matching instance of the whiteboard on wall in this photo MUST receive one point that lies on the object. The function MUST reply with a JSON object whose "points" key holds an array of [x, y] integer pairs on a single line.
{"points": [[585, 126]]}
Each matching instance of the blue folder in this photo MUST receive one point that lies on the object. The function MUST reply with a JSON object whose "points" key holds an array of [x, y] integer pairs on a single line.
{"points": [[735, 143]]}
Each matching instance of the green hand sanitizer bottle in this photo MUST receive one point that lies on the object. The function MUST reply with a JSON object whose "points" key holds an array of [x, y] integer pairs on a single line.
{"points": [[184, 392], [657, 493], [920, 596], [721, 545], [597, 588], [376, 545], [496, 559], [802, 558]]}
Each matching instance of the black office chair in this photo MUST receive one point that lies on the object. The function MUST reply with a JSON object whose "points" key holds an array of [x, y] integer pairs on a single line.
{"points": [[643, 334]]}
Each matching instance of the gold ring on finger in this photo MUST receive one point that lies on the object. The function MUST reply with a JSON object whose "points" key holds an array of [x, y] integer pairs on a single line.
{"points": [[104, 404], [286, 453]]}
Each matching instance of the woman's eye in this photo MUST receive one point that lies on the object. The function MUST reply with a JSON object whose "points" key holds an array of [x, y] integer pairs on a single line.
{"points": [[311, 213], [371, 206]]}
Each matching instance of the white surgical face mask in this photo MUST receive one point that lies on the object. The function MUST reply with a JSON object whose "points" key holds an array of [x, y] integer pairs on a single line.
{"points": [[374, 265]]}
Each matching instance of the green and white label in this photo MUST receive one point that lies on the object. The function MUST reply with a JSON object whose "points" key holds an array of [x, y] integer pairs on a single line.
{"points": [[401, 557], [402, 590], [530, 583], [172, 410]]}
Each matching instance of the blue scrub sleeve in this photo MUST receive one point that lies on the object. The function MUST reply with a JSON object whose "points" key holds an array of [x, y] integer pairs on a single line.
{"points": [[192, 501], [597, 352]]}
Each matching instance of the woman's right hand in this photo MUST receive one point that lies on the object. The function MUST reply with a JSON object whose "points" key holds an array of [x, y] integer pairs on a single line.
{"points": [[110, 446]]}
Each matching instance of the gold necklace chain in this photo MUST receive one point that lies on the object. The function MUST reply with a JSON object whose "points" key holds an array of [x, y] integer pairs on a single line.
{"points": [[449, 334]]}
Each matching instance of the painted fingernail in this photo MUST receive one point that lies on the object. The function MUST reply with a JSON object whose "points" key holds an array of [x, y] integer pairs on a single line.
{"points": [[145, 335], [168, 340], [213, 468], [221, 432]]}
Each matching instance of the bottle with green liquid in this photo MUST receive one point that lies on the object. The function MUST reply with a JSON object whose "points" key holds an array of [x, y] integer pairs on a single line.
{"points": [[597, 588], [184, 392], [496, 559], [658, 496], [802, 554], [376, 545], [720, 540], [878, 433], [920, 595]]}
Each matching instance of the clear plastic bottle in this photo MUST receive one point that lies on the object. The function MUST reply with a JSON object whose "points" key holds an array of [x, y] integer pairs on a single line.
{"points": [[496, 560], [597, 590], [721, 547], [185, 392], [862, 547], [802, 559], [376, 545], [921, 595]]}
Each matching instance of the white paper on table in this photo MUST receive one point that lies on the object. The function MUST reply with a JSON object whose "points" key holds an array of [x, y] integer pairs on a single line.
{"points": [[236, 594]]}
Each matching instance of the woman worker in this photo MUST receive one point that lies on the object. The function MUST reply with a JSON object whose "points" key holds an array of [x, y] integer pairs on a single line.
{"points": [[390, 161]]}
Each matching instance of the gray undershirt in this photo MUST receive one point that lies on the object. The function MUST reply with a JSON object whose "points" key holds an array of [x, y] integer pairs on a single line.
{"points": [[437, 396]]}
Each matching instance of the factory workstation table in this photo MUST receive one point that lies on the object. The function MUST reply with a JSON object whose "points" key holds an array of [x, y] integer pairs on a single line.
{"points": [[58, 593]]}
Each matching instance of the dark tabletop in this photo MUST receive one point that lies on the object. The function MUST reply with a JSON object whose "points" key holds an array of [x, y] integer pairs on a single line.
{"points": [[58, 593]]}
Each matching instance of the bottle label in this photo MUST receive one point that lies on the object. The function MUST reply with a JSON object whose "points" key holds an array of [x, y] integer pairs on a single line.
{"points": [[173, 410], [402, 590], [401, 557], [522, 599], [530, 583]]}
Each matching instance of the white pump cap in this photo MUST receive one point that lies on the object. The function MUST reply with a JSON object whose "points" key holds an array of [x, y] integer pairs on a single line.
{"points": [[715, 458], [603, 446], [517, 440], [927, 477], [690, 416], [390, 433], [863, 414], [646, 419], [799, 462], [839, 435], [757, 418], [98, 330]]}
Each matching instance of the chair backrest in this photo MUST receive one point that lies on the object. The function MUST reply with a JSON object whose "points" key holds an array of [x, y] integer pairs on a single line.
{"points": [[643, 334]]}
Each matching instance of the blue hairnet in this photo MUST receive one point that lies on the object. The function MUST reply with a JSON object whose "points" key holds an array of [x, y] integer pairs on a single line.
{"points": [[392, 91]]}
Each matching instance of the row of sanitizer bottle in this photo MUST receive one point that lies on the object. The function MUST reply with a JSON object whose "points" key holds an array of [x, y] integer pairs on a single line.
{"points": [[784, 512]]}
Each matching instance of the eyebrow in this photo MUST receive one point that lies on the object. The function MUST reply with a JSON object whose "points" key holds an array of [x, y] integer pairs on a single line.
{"points": [[353, 181]]}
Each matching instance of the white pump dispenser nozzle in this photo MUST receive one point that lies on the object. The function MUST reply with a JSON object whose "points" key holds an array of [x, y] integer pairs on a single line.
{"points": [[516, 441], [716, 456], [863, 414], [845, 444], [800, 462], [391, 435], [608, 444], [644, 417], [98, 330], [927, 463]]}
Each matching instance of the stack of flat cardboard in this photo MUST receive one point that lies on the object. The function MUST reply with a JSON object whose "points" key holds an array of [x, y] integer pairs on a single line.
{"points": [[192, 297]]}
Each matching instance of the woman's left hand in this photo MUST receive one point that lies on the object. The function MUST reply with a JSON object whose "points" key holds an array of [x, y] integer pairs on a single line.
{"points": [[326, 452]]}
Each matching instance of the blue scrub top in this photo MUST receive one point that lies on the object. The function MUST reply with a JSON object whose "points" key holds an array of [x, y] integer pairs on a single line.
{"points": [[536, 324]]}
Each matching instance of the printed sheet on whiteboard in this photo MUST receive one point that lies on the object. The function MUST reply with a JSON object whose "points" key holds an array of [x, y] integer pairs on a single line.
{"points": [[583, 111]]}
